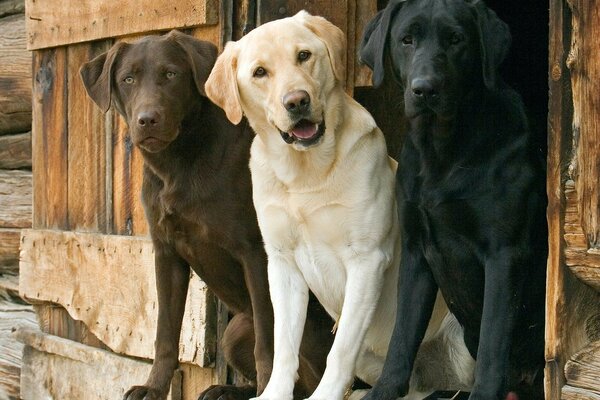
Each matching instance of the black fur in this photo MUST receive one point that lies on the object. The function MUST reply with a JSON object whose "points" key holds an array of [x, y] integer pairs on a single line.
{"points": [[471, 195]]}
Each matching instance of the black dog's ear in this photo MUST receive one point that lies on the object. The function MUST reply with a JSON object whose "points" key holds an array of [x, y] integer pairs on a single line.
{"points": [[374, 40], [201, 55], [494, 42], [97, 76]]}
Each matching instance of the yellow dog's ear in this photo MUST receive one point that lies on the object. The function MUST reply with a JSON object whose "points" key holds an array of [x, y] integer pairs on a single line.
{"points": [[334, 39], [221, 86]]}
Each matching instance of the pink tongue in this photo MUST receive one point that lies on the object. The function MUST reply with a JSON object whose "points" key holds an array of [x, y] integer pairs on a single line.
{"points": [[304, 129]]}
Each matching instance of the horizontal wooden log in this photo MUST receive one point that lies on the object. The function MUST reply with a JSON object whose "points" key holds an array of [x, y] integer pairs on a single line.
{"points": [[108, 283], [56, 368], [583, 369], [12, 315], [15, 151], [10, 7], [9, 250], [574, 393], [15, 76], [15, 199], [56, 23]]}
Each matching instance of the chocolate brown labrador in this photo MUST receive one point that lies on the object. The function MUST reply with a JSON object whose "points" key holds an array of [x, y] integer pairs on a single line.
{"points": [[197, 198]]}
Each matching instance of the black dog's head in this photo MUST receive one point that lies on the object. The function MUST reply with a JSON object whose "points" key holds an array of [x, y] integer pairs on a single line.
{"points": [[154, 83], [439, 50]]}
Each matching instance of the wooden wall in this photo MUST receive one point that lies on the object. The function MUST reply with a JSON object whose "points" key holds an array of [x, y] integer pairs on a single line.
{"points": [[15, 186], [573, 301]]}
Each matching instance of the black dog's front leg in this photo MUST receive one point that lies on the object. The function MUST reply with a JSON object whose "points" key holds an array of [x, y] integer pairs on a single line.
{"points": [[172, 280], [417, 291], [503, 292]]}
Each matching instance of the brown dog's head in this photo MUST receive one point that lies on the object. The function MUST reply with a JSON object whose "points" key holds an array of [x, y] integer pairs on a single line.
{"points": [[154, 83], [280, 76]]}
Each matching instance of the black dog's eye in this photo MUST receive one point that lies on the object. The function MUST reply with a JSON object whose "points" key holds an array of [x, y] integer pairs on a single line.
{"points": [[171, 74], [456, 38], [407, 40], [128, 79], [304, 55], [259, 72]]}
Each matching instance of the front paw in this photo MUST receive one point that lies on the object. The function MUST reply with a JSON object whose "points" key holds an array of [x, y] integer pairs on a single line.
{"points": [[144, 393], [385, 392], [228, 392]]}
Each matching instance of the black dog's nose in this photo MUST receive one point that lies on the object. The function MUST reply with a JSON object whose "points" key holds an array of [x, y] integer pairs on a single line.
{"points": [[424, 87], [148, 118], [297, 101]]}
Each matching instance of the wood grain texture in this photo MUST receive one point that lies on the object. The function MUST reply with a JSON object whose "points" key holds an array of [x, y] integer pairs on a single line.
{"points": [[48, 360], [365, 11], [52, 23], [15, 199], [10, 7], [87, 158], [573, 393], [15, 76], [15, 151], [108, 283], [584, 65], [583, 369], [50, 139], [9, 250]]}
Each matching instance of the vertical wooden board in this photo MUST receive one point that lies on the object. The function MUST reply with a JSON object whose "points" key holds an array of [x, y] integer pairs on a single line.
{"points": [[195, 380], [87, 148], [558, 146], [365, 11], [584, 63], [49, 139]]}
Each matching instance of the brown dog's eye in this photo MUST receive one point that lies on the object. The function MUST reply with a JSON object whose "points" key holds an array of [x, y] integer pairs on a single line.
{"points": [[170, 75], [407, 40], [128, 79], [304, 55], [259, 72]]}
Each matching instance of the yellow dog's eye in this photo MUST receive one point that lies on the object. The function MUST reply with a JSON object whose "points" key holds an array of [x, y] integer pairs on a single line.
{"points": [[128, 79], [259, 72], [304, 55]]}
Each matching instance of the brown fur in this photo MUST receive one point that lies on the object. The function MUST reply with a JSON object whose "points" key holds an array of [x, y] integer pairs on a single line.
{"points": [[198, 202]]}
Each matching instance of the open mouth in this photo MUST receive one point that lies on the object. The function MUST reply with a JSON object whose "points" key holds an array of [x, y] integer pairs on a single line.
{"points": [[304, 132]]}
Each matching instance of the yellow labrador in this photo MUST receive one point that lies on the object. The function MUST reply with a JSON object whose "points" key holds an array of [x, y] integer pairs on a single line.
{"points": [[323, 189]]}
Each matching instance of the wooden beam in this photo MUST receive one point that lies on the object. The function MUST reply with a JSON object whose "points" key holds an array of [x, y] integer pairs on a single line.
{"points": [[583, 370], [15, 199], [108, 283], [15, 151], [10, 7], [574, 393], [9, 250], [56, 23], [15, 76]]}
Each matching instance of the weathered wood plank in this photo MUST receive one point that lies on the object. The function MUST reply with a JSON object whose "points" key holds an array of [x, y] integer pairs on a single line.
{"points": [[49, 139], [12, 315], [56, 368], [15, 151], [583, 370], [108, 283], [365, 10], [573, 393], [15, 76], [10, 7], [9, 249], [87, 162], [15, 199], [51, 23]]}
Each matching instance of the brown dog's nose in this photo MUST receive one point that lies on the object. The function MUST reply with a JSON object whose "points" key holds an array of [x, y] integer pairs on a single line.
{"points": [[297, 101], [148, 119]]}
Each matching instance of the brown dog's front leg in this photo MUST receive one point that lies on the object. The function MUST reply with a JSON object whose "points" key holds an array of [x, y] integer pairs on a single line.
{"points": [[172, 280], [255, 275]]}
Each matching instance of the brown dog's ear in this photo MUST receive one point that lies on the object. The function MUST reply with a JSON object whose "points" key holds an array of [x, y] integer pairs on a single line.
{"points": [[334, 39], [201, 55], [494, 42], [97, 76], [221, 86], [374, 41]]}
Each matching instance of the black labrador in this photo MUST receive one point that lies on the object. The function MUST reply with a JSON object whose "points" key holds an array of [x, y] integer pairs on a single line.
{"points": [[471, 191], [197, 197]]}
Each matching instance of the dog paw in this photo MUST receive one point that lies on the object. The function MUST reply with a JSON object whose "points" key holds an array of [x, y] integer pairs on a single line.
{"points": [[144, 393], [228, 392], [384, 393]]}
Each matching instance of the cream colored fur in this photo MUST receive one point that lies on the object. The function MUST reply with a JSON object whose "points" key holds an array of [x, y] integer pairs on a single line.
{"points": [[327, 212]]}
